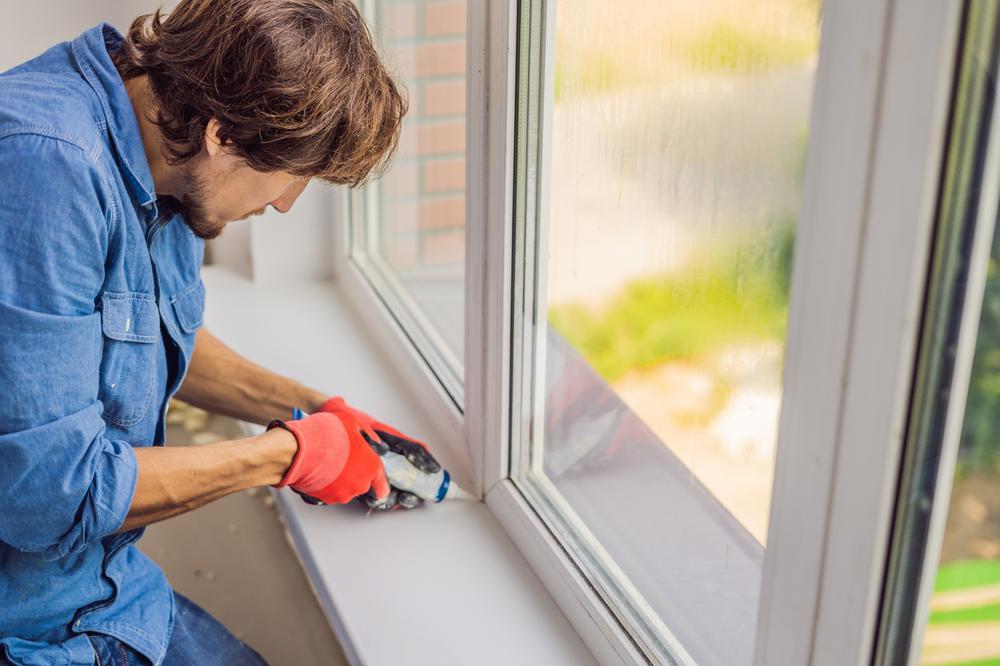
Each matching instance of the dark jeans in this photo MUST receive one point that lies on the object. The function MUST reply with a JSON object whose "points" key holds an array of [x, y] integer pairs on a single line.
{"points": [[198, 638]]}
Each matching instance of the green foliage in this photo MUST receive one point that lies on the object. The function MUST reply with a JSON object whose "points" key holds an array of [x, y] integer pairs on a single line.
{"points": [[724, 296], [988, 613], [591, 72], [963, 574], [981, 428], [727, 47]]}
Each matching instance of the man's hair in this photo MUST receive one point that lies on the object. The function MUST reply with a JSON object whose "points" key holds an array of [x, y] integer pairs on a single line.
{"points": [[295, 85]]}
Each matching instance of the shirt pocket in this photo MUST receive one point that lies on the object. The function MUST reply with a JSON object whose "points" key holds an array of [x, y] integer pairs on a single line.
{"points": [[131, 326], [189, 307]]}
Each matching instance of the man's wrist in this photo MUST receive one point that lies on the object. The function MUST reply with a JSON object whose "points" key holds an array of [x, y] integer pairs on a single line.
{"points": [[277, 448], [311, 400]]}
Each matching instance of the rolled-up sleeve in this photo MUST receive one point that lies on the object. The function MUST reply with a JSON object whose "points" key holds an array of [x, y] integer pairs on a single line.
{"points": [[63, 483]]}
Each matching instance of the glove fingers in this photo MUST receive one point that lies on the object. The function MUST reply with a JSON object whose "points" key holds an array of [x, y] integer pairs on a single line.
{"points": [[408, 500], [371, 500], [397, 499], [412, 450], [373, 441], [380, 484]]}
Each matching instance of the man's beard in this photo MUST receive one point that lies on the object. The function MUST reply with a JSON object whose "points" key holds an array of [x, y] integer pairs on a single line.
{"points": [[192, 208]]}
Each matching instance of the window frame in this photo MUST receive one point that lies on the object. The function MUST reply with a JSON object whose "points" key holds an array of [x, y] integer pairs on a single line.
{"points": [[882, 91], [969, 200]]}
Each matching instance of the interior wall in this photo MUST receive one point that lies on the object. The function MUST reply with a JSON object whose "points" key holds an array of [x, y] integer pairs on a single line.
{"points": [[28, 28], [273, 247]]}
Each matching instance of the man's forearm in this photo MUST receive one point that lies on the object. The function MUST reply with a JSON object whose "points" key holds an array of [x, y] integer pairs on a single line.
{"points": [[176, 479], [221, 381]]}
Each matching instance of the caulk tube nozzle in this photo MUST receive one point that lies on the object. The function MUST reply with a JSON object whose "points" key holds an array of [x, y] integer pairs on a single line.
{"points": [[455, 491]]}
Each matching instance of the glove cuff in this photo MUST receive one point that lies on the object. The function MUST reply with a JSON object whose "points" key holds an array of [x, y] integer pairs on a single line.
{"points": [[322, 454]]}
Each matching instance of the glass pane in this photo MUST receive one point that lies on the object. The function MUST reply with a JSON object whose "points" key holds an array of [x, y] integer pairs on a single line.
{"points": [[673, 162], [416, 223], [963, 626]]}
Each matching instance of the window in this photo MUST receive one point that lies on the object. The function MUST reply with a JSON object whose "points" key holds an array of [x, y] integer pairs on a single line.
{"points": [[639, 183], [943, 594], [408, 229], [658, 167]]}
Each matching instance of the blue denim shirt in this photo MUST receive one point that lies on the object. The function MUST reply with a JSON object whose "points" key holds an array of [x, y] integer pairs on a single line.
{"points": [[100, 298]]}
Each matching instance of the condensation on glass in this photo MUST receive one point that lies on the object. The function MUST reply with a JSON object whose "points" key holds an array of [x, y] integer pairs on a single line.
{"points": [[415, 219], [671, 139]]}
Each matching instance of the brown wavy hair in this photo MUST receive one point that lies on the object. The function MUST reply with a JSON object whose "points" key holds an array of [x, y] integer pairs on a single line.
{"points": [[295, 85]]}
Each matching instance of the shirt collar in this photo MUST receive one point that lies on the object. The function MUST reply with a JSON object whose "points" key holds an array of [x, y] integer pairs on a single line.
{"points": [[91, 50]]}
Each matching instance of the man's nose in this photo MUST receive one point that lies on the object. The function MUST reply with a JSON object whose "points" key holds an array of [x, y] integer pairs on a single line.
{"points": [[284, 203]]}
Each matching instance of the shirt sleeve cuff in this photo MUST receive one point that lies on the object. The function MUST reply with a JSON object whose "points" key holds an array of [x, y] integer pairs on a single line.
{"points": [[107, 504]]}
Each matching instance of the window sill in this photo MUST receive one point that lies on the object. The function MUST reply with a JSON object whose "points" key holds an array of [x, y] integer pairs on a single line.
{"points": [[442, 584]]}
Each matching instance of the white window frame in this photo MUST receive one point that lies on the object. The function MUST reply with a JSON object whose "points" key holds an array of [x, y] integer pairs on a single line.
{"points": [[882, 97]]}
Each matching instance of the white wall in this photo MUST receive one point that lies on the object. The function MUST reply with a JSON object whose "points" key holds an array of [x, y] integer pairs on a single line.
{"points": [[28, 28], [273, 247]]}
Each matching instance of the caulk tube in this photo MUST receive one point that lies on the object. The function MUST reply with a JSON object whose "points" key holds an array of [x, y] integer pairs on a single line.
{"points": [[404, 475]]}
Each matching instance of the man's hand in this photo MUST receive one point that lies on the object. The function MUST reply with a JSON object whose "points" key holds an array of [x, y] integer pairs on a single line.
{"points": [[393, 440], [335, 461]]}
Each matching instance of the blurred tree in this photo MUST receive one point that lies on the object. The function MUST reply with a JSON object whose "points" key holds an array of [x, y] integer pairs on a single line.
{"points": [[981, 429]]}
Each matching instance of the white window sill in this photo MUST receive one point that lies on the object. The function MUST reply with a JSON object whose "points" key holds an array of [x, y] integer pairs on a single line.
{"points": [[441, 584]]}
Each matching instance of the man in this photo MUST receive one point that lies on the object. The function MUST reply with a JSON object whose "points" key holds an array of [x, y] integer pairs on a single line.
{"points": [[118, 155]]}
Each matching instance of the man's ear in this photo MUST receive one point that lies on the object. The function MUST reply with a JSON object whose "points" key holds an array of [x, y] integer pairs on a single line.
{"points": [[213, 143]]}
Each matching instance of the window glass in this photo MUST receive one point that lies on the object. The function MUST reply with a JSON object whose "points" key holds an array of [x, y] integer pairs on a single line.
{"points": [[671, 143], [963, 624], [412, 234]]}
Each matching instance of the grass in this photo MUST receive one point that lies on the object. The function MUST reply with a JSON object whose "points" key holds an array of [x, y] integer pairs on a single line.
{"points": [[974, 614], [724, 297], [964, 574]]}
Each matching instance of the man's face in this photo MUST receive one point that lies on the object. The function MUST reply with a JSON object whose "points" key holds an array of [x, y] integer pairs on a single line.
{"points": [[221, 188]]}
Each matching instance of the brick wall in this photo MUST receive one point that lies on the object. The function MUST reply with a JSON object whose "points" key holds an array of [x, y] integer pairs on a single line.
{"points": [[422, 202]]}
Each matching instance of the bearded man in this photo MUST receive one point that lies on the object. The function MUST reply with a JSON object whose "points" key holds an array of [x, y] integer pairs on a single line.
{"points": [[119, 155]]}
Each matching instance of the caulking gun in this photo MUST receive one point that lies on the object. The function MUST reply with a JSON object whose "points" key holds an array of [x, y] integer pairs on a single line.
{"points": [[404, 475]]}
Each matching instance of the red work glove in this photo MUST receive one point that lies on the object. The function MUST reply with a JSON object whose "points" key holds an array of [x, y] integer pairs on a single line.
{"points": [[412, 449], [335, 462]]}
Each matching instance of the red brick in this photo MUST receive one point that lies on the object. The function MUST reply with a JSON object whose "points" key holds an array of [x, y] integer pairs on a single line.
{"points": [[441, 99], [397, 20], [441, 138], [439, 59], [400, 217], [444, 175], [400, 250], [444, 18], [401, 179], [444, 248], [407, 138], [446, 213]]}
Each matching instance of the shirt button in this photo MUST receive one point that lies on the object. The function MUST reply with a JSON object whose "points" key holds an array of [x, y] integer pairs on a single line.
{"points": [[76, 625]]}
